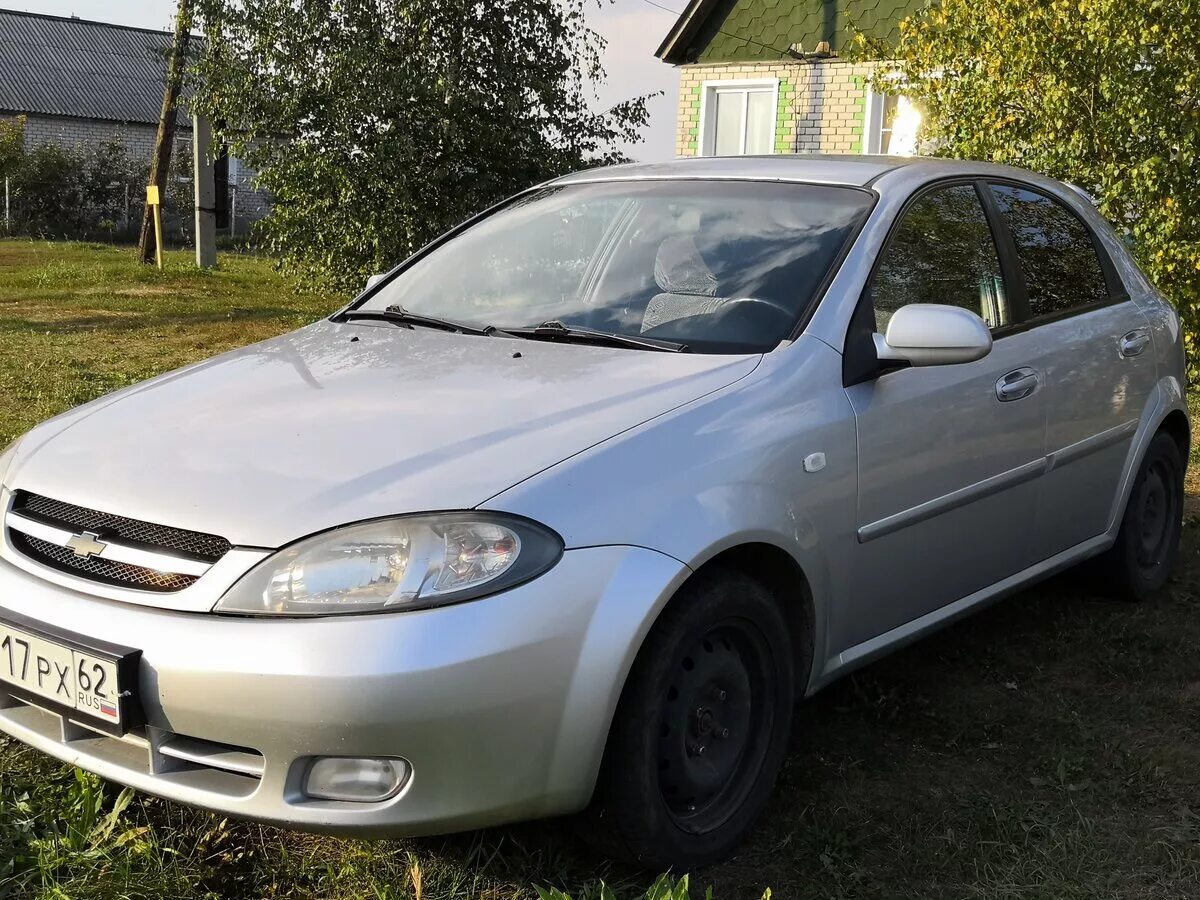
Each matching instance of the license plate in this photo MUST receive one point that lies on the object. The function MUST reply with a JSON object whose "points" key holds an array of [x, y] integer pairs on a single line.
{"points": [[73, 677]]}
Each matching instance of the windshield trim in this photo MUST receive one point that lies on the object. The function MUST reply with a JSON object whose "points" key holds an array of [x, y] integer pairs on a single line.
{"points": [[803, 316]]}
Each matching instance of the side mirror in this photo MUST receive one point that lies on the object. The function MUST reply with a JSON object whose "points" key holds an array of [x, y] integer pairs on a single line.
{"points": [[374, 280], [929, 334]]}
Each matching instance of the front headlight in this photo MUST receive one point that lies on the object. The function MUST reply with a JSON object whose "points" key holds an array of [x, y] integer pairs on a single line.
{"points": [[388, 565]]}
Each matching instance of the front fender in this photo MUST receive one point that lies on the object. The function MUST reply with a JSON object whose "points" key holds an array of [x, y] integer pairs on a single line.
{"points": [[724, 471]]}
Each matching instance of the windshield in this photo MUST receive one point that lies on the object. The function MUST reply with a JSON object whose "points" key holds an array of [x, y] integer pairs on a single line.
{"points": [[721, 266]]}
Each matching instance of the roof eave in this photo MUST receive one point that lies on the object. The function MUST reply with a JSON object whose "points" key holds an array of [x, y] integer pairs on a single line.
{"points": [[97, 117], [674, 47]]}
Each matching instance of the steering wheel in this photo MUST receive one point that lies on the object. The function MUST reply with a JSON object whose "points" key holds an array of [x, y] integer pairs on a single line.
{"points": [[740, 320]]}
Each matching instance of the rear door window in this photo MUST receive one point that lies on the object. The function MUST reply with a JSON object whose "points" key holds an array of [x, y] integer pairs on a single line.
{"points": [[1057, 254]]}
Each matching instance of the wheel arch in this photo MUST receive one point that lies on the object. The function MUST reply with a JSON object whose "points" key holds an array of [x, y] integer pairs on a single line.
{"points": [[783, 576], [1170, 416], [1176, 424]]}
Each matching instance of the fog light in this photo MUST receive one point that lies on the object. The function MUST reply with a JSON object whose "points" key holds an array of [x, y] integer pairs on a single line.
{"points": [[356, 780]]}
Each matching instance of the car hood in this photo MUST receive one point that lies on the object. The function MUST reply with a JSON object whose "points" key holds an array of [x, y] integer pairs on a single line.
{"points": [[341, 422]]}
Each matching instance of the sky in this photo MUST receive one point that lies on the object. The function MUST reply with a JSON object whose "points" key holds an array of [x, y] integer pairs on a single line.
{"points": [[633, 29]]}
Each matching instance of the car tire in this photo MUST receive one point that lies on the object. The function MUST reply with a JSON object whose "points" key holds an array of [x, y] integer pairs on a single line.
{"points": [[701, 728], [1141, 560]]}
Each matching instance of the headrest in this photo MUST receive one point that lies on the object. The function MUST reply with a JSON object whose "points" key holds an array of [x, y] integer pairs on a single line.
{"points": [[680, 269]]}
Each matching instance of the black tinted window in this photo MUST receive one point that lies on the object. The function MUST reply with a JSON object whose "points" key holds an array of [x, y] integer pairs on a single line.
{"points": [[942, 252], [1056, 252]]}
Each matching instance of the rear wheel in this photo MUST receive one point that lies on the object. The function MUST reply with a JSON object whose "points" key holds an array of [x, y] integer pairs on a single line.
{"points": [[701, 728], [1142, 558]]}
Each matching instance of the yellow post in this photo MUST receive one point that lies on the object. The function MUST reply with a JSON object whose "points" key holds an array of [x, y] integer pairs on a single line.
{"points": [[152, 200]]}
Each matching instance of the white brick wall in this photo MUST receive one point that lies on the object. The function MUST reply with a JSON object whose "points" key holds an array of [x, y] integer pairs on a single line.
{"points": [[138, 139]]}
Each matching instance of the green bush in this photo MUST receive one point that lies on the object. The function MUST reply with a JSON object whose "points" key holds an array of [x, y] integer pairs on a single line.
{"points": [[89, 192]]}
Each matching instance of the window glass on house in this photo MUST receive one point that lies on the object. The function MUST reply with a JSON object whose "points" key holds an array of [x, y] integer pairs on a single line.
{"points": [[760, 121], [739, 118], [942, 252], [730, 107], [1056, 251], [892, 121]]}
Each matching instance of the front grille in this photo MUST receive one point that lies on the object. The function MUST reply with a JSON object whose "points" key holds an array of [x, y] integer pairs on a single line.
{"points": [[194, 544], [192, 551], [94, 568]]}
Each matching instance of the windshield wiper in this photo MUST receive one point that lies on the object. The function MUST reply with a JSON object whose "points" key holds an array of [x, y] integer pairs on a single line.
{"points": [[557, 331], [401, 316]]}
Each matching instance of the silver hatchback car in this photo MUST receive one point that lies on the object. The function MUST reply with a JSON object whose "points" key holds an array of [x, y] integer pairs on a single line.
{"points": [[565, 513]]}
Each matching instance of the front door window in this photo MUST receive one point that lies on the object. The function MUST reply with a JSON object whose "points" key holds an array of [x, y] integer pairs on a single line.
{"points": [[942, 252]]}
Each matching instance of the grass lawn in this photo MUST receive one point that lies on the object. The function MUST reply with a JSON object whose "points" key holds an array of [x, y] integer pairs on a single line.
{"points": [[79, 320], [1048, 747]]}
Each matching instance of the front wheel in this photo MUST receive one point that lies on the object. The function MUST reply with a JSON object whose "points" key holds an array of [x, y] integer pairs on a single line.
{"points": [[701, 728], [1147, 545]]}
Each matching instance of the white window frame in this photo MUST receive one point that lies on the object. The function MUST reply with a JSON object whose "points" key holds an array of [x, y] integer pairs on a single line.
{"points": [[708, 102]]}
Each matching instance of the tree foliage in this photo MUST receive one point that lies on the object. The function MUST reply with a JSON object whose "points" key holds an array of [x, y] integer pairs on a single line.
{"points": [[1103, 93], [377, 124], [12, 144]]}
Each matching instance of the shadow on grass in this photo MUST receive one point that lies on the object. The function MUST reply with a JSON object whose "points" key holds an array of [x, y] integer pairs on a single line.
{"points": [[1045, 746]]}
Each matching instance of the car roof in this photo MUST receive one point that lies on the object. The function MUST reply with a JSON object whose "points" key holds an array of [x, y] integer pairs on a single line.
{"points": [[815, 168]]}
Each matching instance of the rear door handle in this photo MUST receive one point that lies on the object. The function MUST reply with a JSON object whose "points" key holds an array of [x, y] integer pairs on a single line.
{"points": [[1135, 342], [1017, 384]]}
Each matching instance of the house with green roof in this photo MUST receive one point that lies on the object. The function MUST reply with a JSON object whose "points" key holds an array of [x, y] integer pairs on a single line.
{"points": [[773, 76]]}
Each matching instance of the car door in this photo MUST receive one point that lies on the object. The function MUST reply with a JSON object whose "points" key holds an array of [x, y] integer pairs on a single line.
{"points": [[949, 457], [1093, 345]]}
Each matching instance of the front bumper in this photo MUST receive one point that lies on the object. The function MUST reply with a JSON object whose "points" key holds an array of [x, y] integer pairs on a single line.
{"points": [[501, 705]]}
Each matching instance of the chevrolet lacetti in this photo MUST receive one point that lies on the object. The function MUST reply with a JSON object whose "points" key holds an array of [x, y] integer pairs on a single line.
{"points": [[564, 514]]}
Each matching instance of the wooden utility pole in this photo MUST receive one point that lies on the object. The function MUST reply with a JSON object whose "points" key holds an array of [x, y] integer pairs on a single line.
{"points": [[160, 165]]}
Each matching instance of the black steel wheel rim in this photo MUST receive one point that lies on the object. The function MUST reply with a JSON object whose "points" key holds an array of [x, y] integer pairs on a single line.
{"points": [[716, 724], [1158, 509]]}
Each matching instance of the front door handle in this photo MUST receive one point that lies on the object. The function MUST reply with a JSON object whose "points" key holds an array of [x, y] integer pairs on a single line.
{"points": [[1135, 342], [1016, 385]]}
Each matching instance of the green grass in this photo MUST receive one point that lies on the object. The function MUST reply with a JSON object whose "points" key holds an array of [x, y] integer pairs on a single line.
{"points": [[1048, 747], [78, 320]]}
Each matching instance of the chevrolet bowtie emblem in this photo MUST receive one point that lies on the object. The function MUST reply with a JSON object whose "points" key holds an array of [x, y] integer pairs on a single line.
{"points": [[86, 544]]}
